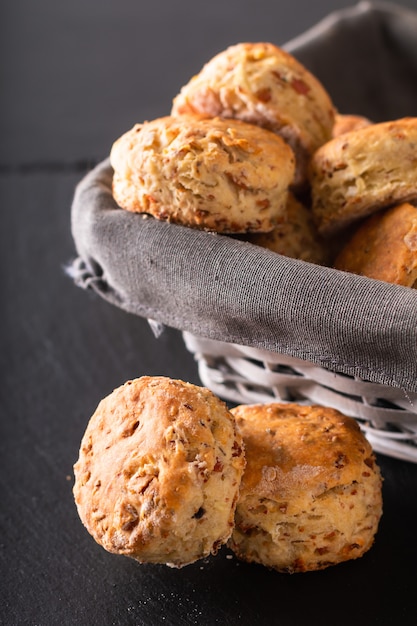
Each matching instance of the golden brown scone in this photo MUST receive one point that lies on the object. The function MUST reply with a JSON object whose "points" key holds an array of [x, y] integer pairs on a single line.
{"points": [[295, 235], [363, 171], [345, 123], [262, 84], [214, 174], [159, 470], [311, 491], [384, 247]]}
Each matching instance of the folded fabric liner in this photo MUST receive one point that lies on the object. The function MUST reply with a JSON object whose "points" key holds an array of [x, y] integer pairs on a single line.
{"points": [[221, 288]]}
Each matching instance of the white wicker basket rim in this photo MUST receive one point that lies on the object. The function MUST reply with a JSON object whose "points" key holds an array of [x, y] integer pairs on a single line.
{"points": [[245, 375]]}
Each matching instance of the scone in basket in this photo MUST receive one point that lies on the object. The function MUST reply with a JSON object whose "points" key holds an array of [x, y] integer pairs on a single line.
{"points": [[263, 326]]}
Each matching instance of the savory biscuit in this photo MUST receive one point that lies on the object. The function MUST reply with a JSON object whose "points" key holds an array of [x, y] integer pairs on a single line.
{"points": [[221, 175], [262, 84], [159, 470], [362, 171], [384, 247], [311, 491], [344, 123], [295, 235]]}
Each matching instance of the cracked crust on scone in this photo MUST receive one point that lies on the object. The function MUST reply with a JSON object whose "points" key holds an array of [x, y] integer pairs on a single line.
{"points": [[360, 172], [384, 247], [213, 174], [311, 491], [263, 84], [159, 470]]}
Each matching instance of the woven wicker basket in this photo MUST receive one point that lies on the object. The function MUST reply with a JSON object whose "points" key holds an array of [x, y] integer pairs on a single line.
{"points": [[305, 346], [244, 375]]}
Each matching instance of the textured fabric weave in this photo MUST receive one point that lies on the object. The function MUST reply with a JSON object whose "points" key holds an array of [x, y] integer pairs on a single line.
{"points": [[220, 288]]}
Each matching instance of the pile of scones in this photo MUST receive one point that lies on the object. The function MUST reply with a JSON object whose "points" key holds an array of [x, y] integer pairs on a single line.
{"points": [[167, 473], [255, 148]]}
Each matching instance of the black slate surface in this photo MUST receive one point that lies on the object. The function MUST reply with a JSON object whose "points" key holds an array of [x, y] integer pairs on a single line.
{"points": [[73, 76]]}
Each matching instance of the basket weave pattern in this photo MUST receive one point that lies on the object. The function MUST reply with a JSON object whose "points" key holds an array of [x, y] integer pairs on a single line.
{"points": [[244, 375]]}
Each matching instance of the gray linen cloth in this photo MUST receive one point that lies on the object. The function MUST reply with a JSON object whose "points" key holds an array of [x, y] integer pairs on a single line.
{"points": [[221, 288]]}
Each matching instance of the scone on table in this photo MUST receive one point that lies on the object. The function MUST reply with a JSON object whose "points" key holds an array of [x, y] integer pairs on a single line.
{"points": [[311, 491], [159, 470]]}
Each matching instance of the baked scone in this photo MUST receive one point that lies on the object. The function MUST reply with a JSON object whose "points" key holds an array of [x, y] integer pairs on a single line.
{"points": [[159, 470], [384, 247], [311, 491], [362, 171], [344, 123], [264, 85], [295, 235], [221, 175]]}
